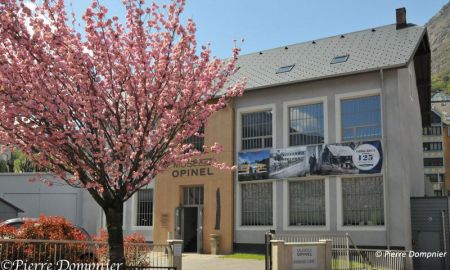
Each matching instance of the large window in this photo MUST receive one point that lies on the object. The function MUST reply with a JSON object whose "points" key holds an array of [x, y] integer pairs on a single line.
{"points": [[306, 124], [361, 118], [257, 130], [307, 203], [144, 209], [433, 162], [363, 201], [256, 204], [432, 146], [433, 130]]}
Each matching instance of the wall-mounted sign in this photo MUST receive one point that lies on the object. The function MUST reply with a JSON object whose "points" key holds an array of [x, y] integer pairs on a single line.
{"points": [[322, 159], [195, 167], [304, 257]]}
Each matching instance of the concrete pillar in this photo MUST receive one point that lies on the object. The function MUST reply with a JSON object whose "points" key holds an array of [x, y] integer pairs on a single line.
{"points": [[278, 254], [215, 244], [176, 253], [328, 253]]}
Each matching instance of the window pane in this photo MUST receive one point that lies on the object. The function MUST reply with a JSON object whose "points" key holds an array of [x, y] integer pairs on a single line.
{"points": [[361, 118], [362, 201], [144, 215], [257, 130], [256, 204], [193, 196], [433, 162], [197, 141], [306, 124], [307, 203]]}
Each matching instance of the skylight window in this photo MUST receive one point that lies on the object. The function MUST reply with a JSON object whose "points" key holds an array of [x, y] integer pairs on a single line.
{"points": [[285, 69], [340, 59]]}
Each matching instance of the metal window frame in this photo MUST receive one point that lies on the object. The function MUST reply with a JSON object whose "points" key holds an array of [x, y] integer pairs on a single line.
{"points": [[138, 212], [364, 195], [262, 138], [255, 200], [290, 120], [354, 128], [197, 198], [314, 211]]}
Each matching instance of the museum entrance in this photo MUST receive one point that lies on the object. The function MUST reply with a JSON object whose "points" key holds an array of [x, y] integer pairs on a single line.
{"points": [[189, 219]]}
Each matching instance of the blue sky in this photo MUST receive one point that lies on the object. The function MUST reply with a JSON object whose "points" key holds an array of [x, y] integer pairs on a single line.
{"points": [[266, 24]]}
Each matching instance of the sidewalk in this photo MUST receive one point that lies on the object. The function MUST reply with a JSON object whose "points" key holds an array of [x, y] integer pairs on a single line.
{"points": [[193, 261]]}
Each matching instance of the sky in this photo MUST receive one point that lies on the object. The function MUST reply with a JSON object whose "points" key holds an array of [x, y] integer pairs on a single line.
{"points": [[266, 24]]}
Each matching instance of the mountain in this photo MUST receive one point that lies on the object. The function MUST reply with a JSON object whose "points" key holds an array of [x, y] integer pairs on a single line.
{"points": [[439, 34]]}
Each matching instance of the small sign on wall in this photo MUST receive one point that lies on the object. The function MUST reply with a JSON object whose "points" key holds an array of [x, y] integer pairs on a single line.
{"points": [[304, 257]]}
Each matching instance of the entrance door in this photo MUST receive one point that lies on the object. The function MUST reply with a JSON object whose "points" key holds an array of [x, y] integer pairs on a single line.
{"points": [[190, 225], [189, 219]]}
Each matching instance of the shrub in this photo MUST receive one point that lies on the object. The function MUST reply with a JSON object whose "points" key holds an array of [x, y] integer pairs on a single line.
{"points": [[45, 228]]}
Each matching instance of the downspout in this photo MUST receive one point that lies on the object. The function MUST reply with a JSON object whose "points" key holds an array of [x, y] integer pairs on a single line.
{"points": [[385, 167]]}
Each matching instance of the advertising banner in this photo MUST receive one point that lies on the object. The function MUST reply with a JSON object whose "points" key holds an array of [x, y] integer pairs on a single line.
{"points": [[323, 159]]}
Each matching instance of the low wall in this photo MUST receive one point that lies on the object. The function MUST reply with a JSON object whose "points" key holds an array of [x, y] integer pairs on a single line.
{"points": [[305, 256]]}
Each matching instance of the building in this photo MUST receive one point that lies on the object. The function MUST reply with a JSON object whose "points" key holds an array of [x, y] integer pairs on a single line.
{"points": [[196, 200], [325, 142], [349, 108], [8, 210], [436, 147]]}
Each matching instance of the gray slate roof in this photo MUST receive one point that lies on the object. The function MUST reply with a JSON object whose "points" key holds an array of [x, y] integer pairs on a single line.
{"points": [[368, 50]]}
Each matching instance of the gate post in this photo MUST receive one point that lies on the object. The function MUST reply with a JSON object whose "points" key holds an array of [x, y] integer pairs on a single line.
{"points": [[268, 258], [175, 255]]}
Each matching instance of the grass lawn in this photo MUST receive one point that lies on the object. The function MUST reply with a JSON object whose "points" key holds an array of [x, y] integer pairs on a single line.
{"points": [[245, 256]]}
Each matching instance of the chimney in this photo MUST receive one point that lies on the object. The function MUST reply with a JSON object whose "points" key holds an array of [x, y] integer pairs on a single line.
{"points": [[401, 18]]}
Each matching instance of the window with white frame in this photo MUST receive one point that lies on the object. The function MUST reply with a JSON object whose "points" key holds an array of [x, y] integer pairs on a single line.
{"points": [[306, 124], [307, 203], [256, 130], [256, 204], [363, 201], [361, 118], [144, 207]]}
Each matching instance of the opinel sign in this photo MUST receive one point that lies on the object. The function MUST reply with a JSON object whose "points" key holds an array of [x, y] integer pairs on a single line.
{"points": [[195, 167]]}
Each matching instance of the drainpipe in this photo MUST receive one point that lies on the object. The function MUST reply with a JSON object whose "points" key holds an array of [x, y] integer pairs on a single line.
{"points": [[385, 158]]}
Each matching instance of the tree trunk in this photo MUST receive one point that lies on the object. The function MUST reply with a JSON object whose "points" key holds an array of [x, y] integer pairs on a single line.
{"points": [[114, 221]]}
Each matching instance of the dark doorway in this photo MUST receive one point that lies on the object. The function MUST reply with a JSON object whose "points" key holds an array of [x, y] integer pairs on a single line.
{"points": [[430, 231], [190, 224]]}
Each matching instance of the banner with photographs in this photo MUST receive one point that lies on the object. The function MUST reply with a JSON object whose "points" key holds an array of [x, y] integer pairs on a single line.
{"points": [[324, 159]]}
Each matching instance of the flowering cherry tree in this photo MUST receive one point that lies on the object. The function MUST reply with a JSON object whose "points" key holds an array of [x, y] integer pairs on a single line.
{"points": [[110, 109]]}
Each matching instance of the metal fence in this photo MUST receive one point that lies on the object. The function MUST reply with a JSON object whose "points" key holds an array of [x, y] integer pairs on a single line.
{"points": [[137, 255], [346, 255]]}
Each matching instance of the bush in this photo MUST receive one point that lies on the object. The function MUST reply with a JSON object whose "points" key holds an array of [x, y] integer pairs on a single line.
{"points": [[45, 228]]}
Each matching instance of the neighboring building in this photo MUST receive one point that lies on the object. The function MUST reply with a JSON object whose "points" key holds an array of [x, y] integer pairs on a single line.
{"points": [[322, 102], [8, 210], [37, 198], [436, 147]]}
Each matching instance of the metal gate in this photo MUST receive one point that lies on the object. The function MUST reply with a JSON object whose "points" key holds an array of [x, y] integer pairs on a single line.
{"points": [[430, 230]]}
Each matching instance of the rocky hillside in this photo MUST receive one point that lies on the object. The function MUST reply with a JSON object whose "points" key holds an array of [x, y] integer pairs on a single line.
{"points": [[439, 33]]}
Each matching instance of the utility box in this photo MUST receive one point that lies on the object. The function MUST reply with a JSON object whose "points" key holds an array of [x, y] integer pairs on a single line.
{"points": [[304, 256]]}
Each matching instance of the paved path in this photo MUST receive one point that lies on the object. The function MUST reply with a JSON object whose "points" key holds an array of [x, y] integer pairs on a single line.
{"points": [[192, 261]]}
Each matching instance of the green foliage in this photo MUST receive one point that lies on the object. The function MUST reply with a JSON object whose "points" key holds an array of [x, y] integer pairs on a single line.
{"points": [[441, 82], [22, 164], [19, 163]]}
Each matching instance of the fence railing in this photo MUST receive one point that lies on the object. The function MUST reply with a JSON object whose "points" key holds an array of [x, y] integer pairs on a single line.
{"points": [[347, 256], [136, 254]]}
